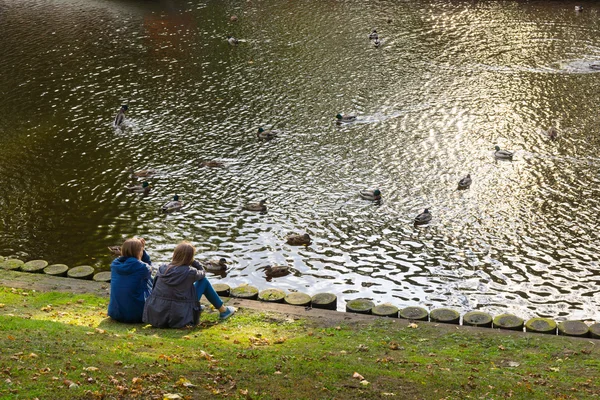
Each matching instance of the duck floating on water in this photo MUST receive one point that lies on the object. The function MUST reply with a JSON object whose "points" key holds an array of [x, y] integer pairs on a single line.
{"points": [[276, 271], [296, 239], [503, 154], [115, 250], [377, 43], [578, 8], [120, 116], [345, 118], [373, 35], [232, 41], [144, 173], [372, 195], [143, 188], [269, 134], [172, 205], [423, 218], [551, 133], [260, 206], [212, 164], [465, 182], [219, 265]]}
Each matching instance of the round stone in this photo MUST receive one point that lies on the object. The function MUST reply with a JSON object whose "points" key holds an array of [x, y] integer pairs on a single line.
{"points": [[103, 276], [385, 310], [56, 270], [327, 301], [12, 264], [414, 313], [445, 316], [508, 321], [222, 289], [245, 292], [541, 325], [595, 330], [297, 299], [81, 272], [360, 306], [573, 328], [477, 318], [34, 266], [271, 295]]}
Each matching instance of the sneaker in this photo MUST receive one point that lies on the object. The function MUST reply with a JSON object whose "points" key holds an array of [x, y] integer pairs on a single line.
{"points": [[227, 313]]}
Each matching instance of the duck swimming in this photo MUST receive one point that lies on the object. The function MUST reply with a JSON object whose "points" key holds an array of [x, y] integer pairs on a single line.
{"points": [[503, 154], [276, 271], [578, 8], [115, 250], [423, 218], [172, 205], [144, 173], [266, 134], [296, 239], [260, 206], [373, 195], [551, 133], [232, 41], [377, 43], [345, 118], [373, 35], [120, 116], [143, 188], [465, 182], [212, 164], [214, 265]]}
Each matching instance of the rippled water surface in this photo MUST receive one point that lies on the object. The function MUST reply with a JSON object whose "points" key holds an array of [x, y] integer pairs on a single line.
{"points": [[450, 80]]}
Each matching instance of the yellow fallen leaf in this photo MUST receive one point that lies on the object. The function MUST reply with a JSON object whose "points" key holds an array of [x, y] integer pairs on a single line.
{"points": [[2, 305], [33, 355], [388, 394], [11, 337], [364, 382], [358, 376], [184, 382], [554, 369], [101, 331], [91, 369], [172, 396], [413, 325]]}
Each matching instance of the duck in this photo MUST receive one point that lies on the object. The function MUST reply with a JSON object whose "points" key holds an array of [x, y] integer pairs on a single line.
{"points": [[214, 265], [115, 250], [172, 205], [551, 133], [260, 206], [212, 164], [465, 182], [503, 154], [373, 35], [423, 218], [233, 18], [143, 188], [120, 116], [377, 43], [232, 41], [373, 195], [269, 134], [578, 8], [276, 271], [345, 118], [144, 173], [296, 239]]}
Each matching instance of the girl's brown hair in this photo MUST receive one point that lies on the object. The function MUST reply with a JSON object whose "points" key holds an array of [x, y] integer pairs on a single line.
{"points": [[132, 248], [183, 254]]}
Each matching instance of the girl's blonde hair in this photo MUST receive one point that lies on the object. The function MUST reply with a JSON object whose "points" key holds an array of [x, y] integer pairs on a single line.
{"points": [[183, 254], [132, 248]]}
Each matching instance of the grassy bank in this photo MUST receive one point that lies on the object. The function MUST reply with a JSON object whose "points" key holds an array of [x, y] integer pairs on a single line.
{"points": [[57, 345]]}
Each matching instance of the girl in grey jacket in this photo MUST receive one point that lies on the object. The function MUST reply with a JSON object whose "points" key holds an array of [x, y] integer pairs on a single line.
{"points": [[179, 285]]}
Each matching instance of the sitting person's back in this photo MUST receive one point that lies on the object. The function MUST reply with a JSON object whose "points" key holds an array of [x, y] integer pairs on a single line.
{"points": [[130, 282], [175, 299]]}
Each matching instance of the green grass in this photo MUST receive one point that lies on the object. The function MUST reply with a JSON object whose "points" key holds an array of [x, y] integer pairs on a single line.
{"points": [[58, 345]]}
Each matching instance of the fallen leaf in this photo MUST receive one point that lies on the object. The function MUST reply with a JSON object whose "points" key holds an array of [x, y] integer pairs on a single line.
{"points": [[358, 376], [118, 362], [184, 382], [413, 325], [364, 382], [2, 305], [101, 331], [91, 369], [33, 355], [500, 347], [10, 337], [554, 369], [388, 394], [172, 396]]}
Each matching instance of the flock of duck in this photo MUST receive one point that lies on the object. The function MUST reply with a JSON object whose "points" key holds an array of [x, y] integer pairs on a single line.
{"points": [[294, 239]]}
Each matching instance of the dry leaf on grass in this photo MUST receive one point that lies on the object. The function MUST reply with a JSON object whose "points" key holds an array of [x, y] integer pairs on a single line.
{"points": [[358, 376]]}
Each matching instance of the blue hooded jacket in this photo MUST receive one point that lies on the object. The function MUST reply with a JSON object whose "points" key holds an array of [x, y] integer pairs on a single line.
{"points": [[130, 286]]}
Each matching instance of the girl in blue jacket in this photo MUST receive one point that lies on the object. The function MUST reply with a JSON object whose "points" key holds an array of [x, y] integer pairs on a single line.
{"points": [[130, 282]]}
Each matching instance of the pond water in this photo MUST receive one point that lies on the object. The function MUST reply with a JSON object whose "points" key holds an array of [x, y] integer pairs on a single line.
{"points": [[451, 80]]}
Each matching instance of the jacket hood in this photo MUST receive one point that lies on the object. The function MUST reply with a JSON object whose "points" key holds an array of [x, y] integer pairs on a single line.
{"points": [[125, 265], [174, 276]]}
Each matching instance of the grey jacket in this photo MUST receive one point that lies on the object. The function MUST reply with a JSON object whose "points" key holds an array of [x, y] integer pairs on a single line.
{"points": [[173, 302]]}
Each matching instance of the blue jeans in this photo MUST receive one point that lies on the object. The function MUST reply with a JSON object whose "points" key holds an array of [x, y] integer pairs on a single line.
{"points": [[203, 287]]}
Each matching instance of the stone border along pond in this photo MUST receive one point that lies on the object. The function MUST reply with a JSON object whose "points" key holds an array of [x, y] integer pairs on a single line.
{"points": [[329, 301]]}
